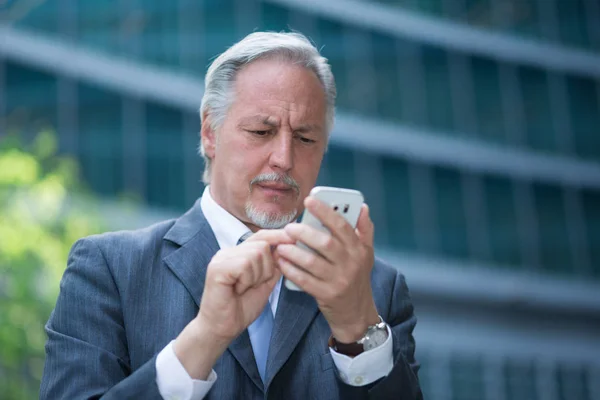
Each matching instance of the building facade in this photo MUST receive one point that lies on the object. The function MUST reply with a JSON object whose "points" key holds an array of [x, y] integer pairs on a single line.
{"points": [[471, 126]]}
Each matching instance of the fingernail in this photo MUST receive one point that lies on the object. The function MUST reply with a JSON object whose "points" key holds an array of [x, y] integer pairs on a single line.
{"points": [[291, 228], [310, 202]]}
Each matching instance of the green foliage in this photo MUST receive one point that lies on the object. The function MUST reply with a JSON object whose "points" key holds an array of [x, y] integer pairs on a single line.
{"points": [[38, 225]]}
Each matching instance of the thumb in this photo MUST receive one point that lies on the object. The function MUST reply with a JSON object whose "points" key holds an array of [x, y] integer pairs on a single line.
{"points": [[365, 229]]}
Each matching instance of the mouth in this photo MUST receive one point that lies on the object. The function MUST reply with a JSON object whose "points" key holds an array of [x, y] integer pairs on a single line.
{"points": [[276, 187]]}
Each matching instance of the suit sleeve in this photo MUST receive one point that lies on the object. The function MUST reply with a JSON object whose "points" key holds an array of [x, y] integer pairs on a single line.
{"points": [[86, 351], [402, 383]]}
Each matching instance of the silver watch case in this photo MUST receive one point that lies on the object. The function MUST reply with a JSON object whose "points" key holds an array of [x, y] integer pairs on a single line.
{"points": [[376, 335]]}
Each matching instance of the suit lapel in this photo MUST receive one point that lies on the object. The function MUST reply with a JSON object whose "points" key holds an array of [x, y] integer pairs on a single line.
{"points": [[189, 263], [198, 245], [241, 349], [295, 312]]}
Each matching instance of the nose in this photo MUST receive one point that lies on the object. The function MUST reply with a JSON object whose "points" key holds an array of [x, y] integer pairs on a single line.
{"points": [[282, 154]]}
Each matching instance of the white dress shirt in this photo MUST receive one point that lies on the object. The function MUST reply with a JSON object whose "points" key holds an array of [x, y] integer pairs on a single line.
{"points": [[175, 383]]}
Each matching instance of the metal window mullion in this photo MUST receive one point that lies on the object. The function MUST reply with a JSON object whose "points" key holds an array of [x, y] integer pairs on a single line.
{"points": [[190, 23], [499, 17], [545, 380], [462, 93], [135, 152], [580, 252], [593, 382], [527, 224], [412, 82], [361, 72], [247, 17], [476, 216], [493, 378], [305, 23], [592, 13], [367, 169], [439, 373], [423, 204], [512, 104], [130, 46], [68, 25], [68, 115], [572, 387], [549, 19], [370, 179], [454, 9], [559, 107]]}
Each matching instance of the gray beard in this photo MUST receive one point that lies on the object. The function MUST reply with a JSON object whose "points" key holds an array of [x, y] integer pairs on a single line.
{"points": [[268, 221]]}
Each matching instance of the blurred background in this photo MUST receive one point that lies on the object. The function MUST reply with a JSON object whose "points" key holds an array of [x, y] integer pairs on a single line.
{"points": [[471, 126]]}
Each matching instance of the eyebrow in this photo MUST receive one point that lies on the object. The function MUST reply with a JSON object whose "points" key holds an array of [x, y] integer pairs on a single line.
{"points": [[306, 128], [272, 122]]}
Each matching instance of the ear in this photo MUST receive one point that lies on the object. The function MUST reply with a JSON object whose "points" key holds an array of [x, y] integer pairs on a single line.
{"points": [[208, 136]]}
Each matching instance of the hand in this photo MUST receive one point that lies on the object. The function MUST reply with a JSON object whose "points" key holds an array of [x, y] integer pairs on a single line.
{"points": [[339, 275], [238, 283]]}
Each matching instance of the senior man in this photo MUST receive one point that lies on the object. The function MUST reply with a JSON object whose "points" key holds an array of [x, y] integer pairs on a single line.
{"points": [[195, 308]]}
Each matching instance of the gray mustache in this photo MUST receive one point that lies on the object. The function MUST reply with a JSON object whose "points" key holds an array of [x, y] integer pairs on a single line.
{"points": [[273, 177]]}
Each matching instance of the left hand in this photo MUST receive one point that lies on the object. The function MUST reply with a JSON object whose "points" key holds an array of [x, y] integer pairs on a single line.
{"points": [[339, 277]]}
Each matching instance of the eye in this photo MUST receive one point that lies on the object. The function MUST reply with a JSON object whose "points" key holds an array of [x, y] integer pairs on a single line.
{"points": [[306, 140], [259, 133]]}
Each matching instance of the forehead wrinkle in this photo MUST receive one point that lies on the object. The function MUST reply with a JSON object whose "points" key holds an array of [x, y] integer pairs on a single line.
{"points": [[261, 118]]}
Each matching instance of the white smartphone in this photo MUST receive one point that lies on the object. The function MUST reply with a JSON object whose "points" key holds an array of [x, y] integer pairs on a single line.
{"points": [[346, 202]]}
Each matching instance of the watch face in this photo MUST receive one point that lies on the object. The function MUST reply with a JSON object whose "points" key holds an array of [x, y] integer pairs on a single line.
{"points": [[376, 339]]}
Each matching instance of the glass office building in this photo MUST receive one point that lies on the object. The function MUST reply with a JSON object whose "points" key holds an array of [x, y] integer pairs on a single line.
{"points": [[471, 126]]}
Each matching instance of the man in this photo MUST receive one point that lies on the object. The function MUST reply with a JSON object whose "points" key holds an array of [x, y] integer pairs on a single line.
{"points": [[195, 307]]}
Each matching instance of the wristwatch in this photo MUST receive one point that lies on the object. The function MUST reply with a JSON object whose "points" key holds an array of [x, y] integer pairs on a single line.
{"points": [[375, 336]]}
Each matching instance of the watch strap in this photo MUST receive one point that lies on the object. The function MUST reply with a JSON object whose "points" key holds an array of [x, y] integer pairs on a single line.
{"points": [[348, 349], [355, 348]]}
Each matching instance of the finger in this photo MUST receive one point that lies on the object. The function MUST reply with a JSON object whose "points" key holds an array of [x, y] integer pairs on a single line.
{"points": [[337, 225], [365, 230], [274, 279], [246, 270], [305, 281], [267, 265], [322, 242], [308, 260], [271, 236], [267, 286], [250, 269]]}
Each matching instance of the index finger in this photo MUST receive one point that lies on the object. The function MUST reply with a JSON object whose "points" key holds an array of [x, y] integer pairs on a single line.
{"points": [[272, 236], [337, 225]]}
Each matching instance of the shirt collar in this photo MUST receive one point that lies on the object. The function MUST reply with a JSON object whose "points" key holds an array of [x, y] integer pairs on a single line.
{"points": [[227, 228]]}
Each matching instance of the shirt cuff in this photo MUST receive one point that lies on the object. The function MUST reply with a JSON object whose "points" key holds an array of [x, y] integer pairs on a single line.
{"points": [[367, 367], [174, 383]]}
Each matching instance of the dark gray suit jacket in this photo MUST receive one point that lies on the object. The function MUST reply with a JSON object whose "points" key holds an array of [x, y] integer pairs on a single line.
{"points": [[125, 295]]}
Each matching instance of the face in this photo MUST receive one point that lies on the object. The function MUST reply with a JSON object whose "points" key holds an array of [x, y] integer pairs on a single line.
{"points": [[267, 153]]}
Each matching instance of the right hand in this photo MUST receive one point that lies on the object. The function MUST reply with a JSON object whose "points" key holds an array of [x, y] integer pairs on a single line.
{"points": [[238, 283]]}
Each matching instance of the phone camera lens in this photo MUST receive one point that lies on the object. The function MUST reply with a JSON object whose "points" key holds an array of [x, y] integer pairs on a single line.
{"points": [[335, 208], [346, 207]]}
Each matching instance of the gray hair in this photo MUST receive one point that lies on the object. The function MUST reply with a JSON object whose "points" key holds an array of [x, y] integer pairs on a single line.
{"points": [[220, 77]]}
